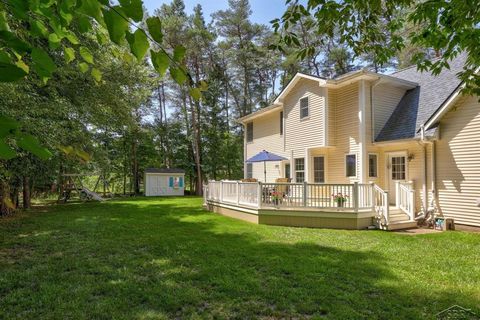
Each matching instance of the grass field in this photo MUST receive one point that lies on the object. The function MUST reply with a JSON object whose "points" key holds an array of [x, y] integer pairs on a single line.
{"points": [[168, 258]]}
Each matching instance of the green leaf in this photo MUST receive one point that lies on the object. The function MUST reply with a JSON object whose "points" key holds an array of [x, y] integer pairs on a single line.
{"points": [[72, 38], [5, 57], [133, 9], [6, 152], [7, 126], [160, 61], [86, 55], [84, 24], [82, 155], [69, 54], [203, 85], [91, 8], [83, 67], [3, 22], [29, 143], [22, 65], [13, 42], [96, 74], [178, 75], [37, 28], [54, 41], [102, 38], [42, 63], [179, 53], [116, 25], [138, 43], [196, 94], [19, 8], [155, 28], [10, 72]]}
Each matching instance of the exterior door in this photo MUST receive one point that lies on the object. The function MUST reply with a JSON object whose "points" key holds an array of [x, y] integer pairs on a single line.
{"points": [[397, 171]]}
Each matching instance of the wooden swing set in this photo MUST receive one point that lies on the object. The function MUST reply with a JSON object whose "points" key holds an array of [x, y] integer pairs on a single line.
{"points": [[73, 184]]}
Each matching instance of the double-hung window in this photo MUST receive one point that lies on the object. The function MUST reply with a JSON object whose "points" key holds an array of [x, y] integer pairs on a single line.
{"points": [[304, 112], [299, 170], [351, 165]]}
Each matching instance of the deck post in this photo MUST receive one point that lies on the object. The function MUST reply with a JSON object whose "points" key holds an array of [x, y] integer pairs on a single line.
{"points": [[305, 190], [221, 190], [259, 194], [238, 193], [355, 197], [411, 201]]}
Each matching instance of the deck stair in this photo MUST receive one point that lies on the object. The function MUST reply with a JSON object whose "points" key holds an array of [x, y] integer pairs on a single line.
{"points": [[399, 220]]}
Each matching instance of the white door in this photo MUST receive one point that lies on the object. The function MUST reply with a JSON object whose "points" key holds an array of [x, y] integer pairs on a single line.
{"points": [[397, 171]]}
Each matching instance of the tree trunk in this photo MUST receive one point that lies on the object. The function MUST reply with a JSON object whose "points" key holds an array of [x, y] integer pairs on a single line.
{"points": [[26, 193], [6, 204]]}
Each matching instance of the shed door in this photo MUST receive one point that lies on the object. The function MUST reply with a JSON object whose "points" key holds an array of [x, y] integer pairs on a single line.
{"points": [[157, 185]]}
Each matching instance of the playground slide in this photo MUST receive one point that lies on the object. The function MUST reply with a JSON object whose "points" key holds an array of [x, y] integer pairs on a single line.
{"points": [[93, 195]]}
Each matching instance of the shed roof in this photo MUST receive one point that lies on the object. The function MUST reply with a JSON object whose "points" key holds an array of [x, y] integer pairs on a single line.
{"points": [[164, 170]]}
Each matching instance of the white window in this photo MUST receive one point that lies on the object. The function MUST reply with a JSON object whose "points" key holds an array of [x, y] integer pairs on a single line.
{"points": [[351, 165], [304, 108], [249, 170], [319, 169], [372, 165], [300, 170], [249, 132]]}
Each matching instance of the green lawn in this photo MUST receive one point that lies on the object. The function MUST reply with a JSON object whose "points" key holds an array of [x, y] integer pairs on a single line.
{"points": [[168, 258]]}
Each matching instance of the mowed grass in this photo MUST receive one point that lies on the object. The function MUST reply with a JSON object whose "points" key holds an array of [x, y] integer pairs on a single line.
{"points": [[164, 258]]}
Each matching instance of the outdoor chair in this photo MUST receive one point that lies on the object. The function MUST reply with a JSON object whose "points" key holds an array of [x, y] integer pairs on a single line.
{"points": [[282, 189]]}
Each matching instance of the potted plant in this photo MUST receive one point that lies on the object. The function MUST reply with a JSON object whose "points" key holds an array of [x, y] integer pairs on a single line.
{"points": [[340, 199]]}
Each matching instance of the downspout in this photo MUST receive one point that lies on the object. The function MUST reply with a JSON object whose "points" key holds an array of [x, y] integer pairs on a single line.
{"points": [[425, 169], [372, 108]]}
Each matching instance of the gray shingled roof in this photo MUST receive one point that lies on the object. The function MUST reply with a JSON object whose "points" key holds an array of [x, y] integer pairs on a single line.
{"points": [[164, 170], [419, 104]]}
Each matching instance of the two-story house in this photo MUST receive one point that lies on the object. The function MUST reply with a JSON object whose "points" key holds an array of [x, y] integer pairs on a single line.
{"points": [[407, 131]]}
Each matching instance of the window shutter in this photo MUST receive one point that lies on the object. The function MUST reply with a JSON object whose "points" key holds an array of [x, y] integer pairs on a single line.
{"points": [[180, 182], [170, 182]]}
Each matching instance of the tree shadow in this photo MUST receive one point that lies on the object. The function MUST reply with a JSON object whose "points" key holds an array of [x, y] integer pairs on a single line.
{"points": [[167, 258]]}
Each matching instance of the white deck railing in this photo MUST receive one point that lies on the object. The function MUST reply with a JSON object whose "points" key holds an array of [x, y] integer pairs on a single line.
{"points": [[406, 198], [381, 205], [358, 197]]}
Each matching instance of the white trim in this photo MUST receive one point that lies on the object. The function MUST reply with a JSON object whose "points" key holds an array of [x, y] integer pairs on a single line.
{"points": [[325, 119], [294, 81], [362, 110]]}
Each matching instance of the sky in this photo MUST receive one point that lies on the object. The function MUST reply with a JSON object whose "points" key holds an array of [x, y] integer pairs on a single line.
{"points": [[263, 11]]}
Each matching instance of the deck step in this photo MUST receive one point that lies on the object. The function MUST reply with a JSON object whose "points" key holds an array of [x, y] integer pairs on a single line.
{"points": [[401, 225]]}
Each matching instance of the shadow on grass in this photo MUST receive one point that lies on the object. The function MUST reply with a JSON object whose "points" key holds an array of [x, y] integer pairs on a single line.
{"points": [[168, 258]]}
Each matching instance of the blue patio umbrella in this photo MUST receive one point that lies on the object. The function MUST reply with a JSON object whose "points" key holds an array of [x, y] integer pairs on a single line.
{"points": [[265, 156]]}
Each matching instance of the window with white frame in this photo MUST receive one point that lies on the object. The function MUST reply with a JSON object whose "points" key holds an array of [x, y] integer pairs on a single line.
{"points": [[304, 108], [249, 132], [299, 170], [249, 170], [372, 165], [351, 165]]}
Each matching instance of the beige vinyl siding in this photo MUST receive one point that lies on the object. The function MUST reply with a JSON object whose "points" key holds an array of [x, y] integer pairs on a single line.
{"points": [[266, 136], [307, 132], [385, 98], [344, 104], [458, 162]]}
